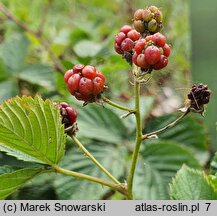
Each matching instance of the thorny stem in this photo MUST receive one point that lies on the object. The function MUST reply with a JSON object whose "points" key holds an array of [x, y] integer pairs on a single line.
{"points": [[117, 105], [146, 136], [117, 187], [91, 157], [57, 64], [138, 139]]}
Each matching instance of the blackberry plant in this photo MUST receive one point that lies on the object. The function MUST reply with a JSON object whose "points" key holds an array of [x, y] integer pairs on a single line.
{"points": [[35, 130]]}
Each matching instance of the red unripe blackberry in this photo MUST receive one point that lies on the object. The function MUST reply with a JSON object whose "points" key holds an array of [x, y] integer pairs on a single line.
{"points": [[125, 29], [141, 61], [85, 86], [151, 52], [133, 35], [78, 68], [73, 83], [124, 42], [159, 39], [152, 55], [63, 104], [119, 38], [68, 74], [69, 116], [85, 83], [118, 49], [89, 72], [139, 46], [127, 45], [72, 114], [161, 63], [166, 50]]}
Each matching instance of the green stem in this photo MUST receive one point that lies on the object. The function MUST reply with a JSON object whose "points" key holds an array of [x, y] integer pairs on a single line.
{"points": [[146, 136], [117, 105], [91, 157], [138, 140], [117, 187]]}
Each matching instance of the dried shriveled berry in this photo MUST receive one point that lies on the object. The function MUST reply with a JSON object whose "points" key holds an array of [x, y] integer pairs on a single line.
{"points": [[85, 83], [198, 96]]}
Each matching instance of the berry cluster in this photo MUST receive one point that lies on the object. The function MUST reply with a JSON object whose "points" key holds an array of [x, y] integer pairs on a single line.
{"points": [[69, 116], [151, 52], [148, 20], [198, 96], [85, 82], [124, 40]]}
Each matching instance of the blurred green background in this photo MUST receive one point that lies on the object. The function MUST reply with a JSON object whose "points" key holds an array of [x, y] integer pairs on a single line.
{"points": [[55, 35], [204, 57]]}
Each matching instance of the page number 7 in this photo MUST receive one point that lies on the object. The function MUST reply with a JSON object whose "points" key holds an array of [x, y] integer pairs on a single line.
{"points": [[208, 205]]}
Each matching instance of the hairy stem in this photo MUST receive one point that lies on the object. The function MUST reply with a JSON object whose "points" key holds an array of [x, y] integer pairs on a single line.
{"points": [[117, 187], [56, 62], [138, 140], [117, 105], [91, 157], [146, 136]]}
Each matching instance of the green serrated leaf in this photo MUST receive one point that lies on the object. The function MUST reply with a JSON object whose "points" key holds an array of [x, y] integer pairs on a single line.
{"points": [[39, 74], [109, 155], [191, 184], [101, 124], [159, 163], [86, 48], [33, 127], [13, 52], [10, 182]]}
